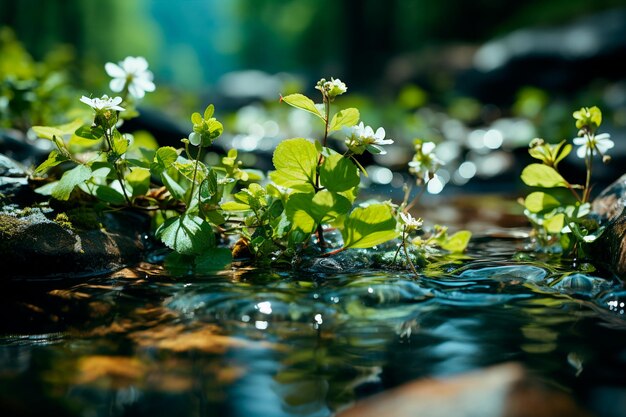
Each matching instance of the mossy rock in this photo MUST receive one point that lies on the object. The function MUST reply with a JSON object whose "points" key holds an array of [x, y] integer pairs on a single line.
{"points": [[34, 247]]}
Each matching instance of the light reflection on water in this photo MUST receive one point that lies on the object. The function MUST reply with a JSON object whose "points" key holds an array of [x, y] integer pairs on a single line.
{"points": [[305, 342]]}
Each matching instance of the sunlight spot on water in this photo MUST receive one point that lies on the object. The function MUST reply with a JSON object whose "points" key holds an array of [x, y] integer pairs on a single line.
{"points": [[318, 318], [245, 318], [261, 325], [265, 307]]}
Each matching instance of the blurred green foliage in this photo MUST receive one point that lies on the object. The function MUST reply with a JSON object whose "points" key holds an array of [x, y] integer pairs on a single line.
{"points": [[211, 37]]}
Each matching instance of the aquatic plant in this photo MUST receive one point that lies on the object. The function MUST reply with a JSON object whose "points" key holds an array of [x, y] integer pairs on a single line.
{"points": [[558, 209], [196, 206]]}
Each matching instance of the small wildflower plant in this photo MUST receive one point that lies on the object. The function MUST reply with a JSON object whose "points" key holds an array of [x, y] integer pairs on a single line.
{"points": [[197, 206], [558, 209]]}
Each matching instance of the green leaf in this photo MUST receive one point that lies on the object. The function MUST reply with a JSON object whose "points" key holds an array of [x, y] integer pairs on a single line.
{"points": [[214, 217], [539, 175], [218, 259], [564, 151], [235, 206], [164, 158], [54, 159], [306, 211], [302, 102], [295, 161], [208, 112], [298, 209], [75, 176], [48, 132], [555, 223], [110, 195], [120, 144], [338, 173], [369, 226], [457, 242], [187, 234], [139, 180], [89, 132], [344, 118], [177, 191], [208, 188], [196, 118], [539, 201]]}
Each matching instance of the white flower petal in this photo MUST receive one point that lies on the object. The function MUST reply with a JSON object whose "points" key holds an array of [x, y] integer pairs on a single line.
{"points": [[114, 70], [604, 145], [135, 92], [579, 141], [582, 151], [428, 147], [144, 83], [117, 84]]}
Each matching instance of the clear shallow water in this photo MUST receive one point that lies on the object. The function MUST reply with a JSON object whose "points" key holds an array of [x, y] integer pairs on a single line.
{"points": [[309, 341]]}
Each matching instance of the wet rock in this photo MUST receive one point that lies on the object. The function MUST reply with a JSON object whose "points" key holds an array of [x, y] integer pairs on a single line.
{"points": [[581, 284], [35, 247], [500, 391], [611, 246], [38, 241], [611, 201]]}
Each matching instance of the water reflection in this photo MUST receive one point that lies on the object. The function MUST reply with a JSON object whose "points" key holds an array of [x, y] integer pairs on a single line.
{"points": [[307, 342]]}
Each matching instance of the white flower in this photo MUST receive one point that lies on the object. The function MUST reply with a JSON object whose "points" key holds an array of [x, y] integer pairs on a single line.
{"points": [[103, 103], [410, 222], [425, 161], [131, 73], [600, 143], [363, 138], [336, 87], [332, 88]]}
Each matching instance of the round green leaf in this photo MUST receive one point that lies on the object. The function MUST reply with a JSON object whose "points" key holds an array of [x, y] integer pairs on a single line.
{"points": [[538, 175]]}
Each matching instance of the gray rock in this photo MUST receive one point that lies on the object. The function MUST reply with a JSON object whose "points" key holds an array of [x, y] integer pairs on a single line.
{"points": [[32, 246]]}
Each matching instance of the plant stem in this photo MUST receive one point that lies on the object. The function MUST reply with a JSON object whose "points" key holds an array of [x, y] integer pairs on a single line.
{"points": [[588, 165], [406, 253], [416, 199], [195, 171], [334, 252], [320, 230], [120, 177], [321, 158], [398, 250]]}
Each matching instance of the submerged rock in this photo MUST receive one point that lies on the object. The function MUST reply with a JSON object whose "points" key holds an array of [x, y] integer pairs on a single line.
{"points": [[498, 391], [581, 284]]}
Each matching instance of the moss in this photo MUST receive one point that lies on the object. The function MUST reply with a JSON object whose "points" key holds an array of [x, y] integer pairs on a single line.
{"points": [[84, 218], [25, 212], [63, 220], [9, 226]]}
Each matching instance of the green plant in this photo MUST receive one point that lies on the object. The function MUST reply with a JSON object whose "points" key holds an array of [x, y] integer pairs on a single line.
{"points": [[197, 206], [558, 209]]}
